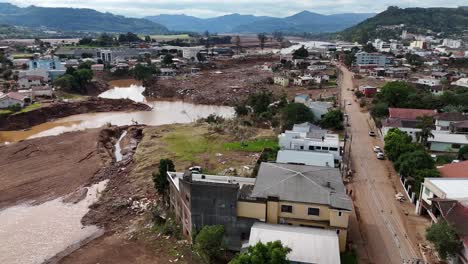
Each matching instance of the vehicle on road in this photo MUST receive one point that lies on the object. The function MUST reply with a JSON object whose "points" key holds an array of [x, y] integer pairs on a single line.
{"points": [[377, 149], [372, 133], [380, 156], [349, 103], [196, 169]]}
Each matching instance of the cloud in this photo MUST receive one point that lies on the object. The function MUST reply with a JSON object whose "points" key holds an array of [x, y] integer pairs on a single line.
{"points": [[210, 8]]}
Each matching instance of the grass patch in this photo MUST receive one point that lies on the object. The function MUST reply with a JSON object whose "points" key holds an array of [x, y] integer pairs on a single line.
{"points": [[5, 112], [349, 257], [22, 56], [70, 96], [31, 107], [252, 145]]}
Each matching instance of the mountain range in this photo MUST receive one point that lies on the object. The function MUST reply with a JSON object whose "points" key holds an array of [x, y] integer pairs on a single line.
{"points": [[450, 22], [235, 23], [75, 19]]}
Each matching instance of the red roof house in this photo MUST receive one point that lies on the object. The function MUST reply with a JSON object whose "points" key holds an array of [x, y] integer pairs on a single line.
{"points": [[409, 113]]}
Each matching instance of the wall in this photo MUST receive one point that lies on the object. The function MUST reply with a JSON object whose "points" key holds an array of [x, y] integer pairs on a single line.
{"points": [[251, 210]]}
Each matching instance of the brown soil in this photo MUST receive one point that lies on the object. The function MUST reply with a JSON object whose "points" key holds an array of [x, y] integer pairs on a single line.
{"points": [[51, 167], [63, 109], [236, 80]]}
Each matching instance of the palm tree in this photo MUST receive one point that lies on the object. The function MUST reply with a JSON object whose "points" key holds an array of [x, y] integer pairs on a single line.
{"points": [[426, 124]]}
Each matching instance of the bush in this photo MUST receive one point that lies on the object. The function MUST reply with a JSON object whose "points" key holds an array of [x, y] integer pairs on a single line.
{"points": [[295, 113], [445, 239], [333, 120], [160, 177], [209, 243]]}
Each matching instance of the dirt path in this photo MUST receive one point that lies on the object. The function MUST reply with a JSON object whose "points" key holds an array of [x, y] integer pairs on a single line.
{"points": [[388, 228]]}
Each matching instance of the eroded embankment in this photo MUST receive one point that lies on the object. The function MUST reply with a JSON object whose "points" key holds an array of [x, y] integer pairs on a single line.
{"points": [[64, 109]]}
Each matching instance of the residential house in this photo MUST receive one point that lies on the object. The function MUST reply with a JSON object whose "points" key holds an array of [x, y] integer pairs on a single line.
{"points": [[167, 72], [317, 67], [319, 109], [298, 195], [368, 90], [311, 158], [301, 99], [312, 139], [11, 99], [281, 80], [35, 72], [321, 78], [452, 43], [97, 67], [443, 121], [429, 81], [437, 90], [190, 53], [405, 119], [463, 82], [459, 127], [447, 142], [29, 81], [304, 80], [41, 91], [308, 245]]}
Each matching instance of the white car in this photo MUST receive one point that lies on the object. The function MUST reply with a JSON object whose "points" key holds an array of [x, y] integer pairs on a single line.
{"points": [[381, 156], [349, 103], [377, 149]]}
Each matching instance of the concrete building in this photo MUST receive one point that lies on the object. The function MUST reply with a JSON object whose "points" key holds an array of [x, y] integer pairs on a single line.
{"points": [[319, 109], [405, 119], [308, 245], [312, 140], [11, 99], [29, 81], [452, 43], [461, 82], [443, 121], [306, 158], [364, 59], [447, 142], [281, 80], [190, 53], [298, 195], [419, 44], [429, 81]]}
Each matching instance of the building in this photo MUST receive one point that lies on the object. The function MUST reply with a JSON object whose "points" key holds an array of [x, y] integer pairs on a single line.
{"points": [[452, 43], [281, 80], [312, 139], [306, 158], [47, 64], [443, 121], [298, 195], [419, 44], [301, 99], [190, 53], [317, 67], [198, 200], [308, 245], [454, 170], [405, 119], [369, 60], [368, 90], [319, 108], [304, 80], [29, 81], [461, 82], [447, 142], [41, 91], [97, 67], [11, 99], [429, 81]]}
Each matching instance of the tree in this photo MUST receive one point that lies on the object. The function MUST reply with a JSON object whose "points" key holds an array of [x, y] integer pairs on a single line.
{"points": [[349, 59], [301, 53], [148, 39], [142, 72], [65, 82], [237, 42], [168, 59], [369, 48], [295, 113], [379, 109], [241, 110], [260, 101], [271, 252], [426, 124], [83, 77], [262, 38], [160, 177], [395, 94], [201, 57], [209, 243], [410, 162], [333, 120], [278, 36], [445, 239], [463, 153], [397, 142]]}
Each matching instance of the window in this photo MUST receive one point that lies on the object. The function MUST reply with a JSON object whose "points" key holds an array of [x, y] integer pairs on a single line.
{"points": [[313, 211], [337, 231], [318, 148], [286, 208], [311, 147], [187, 198], [301, 147], [333, 149], [340, 213], [324, 148], [427, 192], [456, 146]]}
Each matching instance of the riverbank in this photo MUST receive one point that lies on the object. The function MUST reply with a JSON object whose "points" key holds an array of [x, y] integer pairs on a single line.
{"points": [[63, 109]]}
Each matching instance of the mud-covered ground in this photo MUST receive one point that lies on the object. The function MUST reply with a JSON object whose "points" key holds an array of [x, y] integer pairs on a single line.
{"points": [[64, 109]]}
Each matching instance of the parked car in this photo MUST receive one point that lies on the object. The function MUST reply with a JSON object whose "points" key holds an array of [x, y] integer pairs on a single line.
{"points": [[196, 169], [372, 133], [380, 156], [377, 149]]}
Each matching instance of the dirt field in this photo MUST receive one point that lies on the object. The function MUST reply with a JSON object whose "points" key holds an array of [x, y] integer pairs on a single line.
{"points": [[46, 168]]}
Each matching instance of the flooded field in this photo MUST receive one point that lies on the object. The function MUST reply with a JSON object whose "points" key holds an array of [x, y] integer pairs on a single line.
{"points": [[37, 233]]}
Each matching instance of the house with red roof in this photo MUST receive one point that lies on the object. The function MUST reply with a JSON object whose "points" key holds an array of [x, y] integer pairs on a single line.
{"points": [[405, 119], [28, 81]]}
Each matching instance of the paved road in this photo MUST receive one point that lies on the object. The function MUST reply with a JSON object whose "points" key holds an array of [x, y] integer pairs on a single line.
{"points": [[381, 220]]}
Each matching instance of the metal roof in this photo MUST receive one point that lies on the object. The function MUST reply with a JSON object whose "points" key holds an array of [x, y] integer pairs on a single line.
{"points": [[300, 183]]}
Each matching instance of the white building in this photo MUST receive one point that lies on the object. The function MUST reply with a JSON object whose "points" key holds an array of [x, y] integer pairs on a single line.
{"points": [[317, 67], [461, 82], [29, 81], [11, 99], [452, 43], [319, 109], [314, 140], [308, 245], [306, 158], [190, 53], [281, 80], [429, 81]]}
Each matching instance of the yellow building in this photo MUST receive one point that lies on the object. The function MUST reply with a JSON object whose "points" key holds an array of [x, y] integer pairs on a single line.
{"points": [[307, 196]]}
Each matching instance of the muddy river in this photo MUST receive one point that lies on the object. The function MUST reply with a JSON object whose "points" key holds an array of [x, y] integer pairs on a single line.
{"points": [[164, 112]]}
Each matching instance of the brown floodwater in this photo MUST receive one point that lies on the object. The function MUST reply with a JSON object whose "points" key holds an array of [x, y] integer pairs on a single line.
{"points": [[163, 112]]}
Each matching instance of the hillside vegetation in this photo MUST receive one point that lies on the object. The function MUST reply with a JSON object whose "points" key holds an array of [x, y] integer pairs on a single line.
{"points": [[448, 21], [74, 19]]}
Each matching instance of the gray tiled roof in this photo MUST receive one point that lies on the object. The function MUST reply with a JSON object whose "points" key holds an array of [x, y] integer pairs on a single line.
{"points": [[299, 183]]}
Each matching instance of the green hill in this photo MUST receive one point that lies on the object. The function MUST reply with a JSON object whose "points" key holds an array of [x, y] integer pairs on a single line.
{"points": [[447, 21], [75, 19]]}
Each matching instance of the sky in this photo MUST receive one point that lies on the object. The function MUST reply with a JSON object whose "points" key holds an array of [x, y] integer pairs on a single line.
{"points": [[211, 8]]}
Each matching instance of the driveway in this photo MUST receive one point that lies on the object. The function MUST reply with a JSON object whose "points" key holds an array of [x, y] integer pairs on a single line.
{"points": [[383, 229]]}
